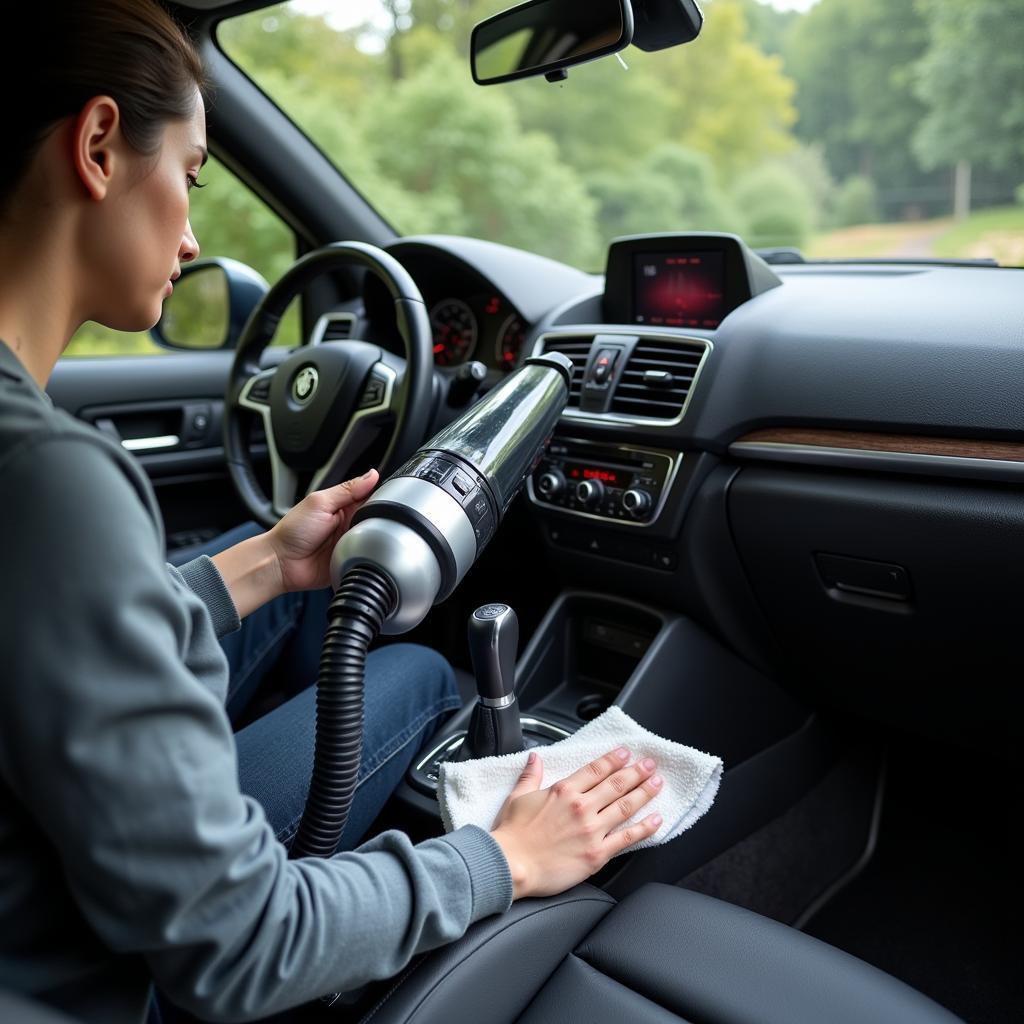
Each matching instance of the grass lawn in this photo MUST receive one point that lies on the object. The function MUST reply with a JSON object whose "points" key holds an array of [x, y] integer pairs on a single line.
{"points": [[997, 233]]}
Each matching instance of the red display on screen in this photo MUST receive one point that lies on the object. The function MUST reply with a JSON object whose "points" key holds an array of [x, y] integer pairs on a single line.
{"points": [[608, 476], [679, 289]]}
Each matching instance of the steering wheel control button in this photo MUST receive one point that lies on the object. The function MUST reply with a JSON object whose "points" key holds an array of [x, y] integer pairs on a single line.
{"points": [[462, 484], [259, 390], [373, 393], [305, 384]]}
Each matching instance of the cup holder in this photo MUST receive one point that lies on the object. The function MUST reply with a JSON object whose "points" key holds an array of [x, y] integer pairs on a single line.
{"points": [[592, 705]]}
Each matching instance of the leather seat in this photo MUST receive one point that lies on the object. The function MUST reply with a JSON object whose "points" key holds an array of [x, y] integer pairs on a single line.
{"points": [[662, 955]]}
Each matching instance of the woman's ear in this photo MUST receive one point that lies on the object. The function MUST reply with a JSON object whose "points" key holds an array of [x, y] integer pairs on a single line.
{"points": [[96, 132]]}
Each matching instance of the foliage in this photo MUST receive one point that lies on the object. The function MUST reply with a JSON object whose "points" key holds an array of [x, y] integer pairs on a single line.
{"points": [[807, 163], [854, 63], [769, 26], [672, 189], [730, 100], [777, 208], [552, 169], [972, 81], [442, 138], [856, 201]]}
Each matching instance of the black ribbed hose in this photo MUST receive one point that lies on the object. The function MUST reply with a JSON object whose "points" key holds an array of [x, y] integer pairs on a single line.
{"points": [[364, 599]]}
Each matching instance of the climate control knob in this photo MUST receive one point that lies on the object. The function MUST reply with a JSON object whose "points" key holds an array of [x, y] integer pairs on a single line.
{"points": [[589, 492], [550, 484], [637, 503]]}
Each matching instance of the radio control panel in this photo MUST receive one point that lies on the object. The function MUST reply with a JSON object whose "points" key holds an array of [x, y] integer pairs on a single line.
{"points": [[617, 483]]}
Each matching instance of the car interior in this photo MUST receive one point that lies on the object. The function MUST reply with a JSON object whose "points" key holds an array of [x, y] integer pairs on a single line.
{"points": [[782, 525]]}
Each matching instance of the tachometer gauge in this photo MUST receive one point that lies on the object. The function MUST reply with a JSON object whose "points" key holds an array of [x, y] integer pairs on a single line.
{"points": [[510, 342], [455, 331]]}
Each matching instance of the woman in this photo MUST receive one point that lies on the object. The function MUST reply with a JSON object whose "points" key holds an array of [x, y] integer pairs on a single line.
{"points": [[129, 851]]}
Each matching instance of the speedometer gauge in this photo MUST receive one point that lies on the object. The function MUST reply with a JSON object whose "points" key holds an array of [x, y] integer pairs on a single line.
{"points": [[510, 342], [455, 331]]}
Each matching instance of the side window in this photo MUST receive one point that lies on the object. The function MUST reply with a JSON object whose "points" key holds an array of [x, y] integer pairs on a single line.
{"points": [[228, 220]]}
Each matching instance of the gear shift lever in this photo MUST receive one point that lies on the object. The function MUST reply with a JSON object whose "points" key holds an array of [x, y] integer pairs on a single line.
{"points": [[494, 727]]}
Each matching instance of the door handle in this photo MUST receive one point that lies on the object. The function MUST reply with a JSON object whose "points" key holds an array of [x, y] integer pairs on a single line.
{"points": [[136, 444]]}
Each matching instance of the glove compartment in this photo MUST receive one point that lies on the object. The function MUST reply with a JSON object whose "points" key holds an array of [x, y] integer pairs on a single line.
{"points": [[895, 598]]}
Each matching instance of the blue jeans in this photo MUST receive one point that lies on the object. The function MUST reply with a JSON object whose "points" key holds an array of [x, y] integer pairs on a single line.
{"points": [[409, 691]]}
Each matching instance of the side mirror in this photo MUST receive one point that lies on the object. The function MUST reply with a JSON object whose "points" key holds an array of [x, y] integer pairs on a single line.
{"points": [[210, 304], [545, 37]]}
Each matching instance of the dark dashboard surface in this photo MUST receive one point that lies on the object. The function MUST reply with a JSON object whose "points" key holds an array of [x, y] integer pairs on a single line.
{"points": [[837, 493], [921, 348]]}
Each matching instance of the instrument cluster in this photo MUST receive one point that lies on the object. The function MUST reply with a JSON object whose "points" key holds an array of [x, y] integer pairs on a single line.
{"points": [[481, 326]]}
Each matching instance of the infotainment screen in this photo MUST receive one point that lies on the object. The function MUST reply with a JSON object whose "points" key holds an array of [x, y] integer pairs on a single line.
{"points": [[679, 289]]}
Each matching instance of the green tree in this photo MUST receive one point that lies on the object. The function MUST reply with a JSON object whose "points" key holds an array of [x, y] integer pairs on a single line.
{"points": [[445, 140], [857, 201], [672, 189], [602, 117], [729, 100], [777, 208], [853, 63], [769, 27], [971, 82]]}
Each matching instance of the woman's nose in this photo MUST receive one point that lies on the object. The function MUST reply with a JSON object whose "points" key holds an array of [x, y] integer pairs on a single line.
{"points": [[189, 246]]}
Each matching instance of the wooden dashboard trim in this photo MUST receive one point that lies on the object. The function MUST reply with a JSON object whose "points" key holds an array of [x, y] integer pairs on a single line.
{"points": [[896, 444]]}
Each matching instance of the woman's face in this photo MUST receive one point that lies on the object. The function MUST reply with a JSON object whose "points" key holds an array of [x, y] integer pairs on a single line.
{"points": [[143, 236]]}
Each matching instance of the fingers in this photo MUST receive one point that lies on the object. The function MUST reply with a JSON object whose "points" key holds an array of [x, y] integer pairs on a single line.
{"points": [[631, 834], [530, 777], [350, 491], [622, 794], [596, 772]]}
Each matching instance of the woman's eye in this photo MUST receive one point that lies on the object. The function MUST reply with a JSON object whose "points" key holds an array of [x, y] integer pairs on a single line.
{"points": [[192, 183]]}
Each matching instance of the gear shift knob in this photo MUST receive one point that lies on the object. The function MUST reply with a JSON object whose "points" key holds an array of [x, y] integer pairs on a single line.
{"points": [[494, 727], [493, 638]]}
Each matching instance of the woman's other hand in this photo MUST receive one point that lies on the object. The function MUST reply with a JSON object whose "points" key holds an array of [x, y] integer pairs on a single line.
{"points": [[305, 538], [555, 838]]}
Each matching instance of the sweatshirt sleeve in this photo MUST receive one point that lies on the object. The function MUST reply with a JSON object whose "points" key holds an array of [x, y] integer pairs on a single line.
{"points": [[123, 754], [203, 578]]}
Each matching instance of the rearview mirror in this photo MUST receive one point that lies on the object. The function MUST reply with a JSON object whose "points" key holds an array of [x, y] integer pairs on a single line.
{"points": [[545, 37]]}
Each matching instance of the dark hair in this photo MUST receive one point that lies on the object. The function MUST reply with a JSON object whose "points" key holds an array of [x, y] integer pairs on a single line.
{"points": [[131, 50]]}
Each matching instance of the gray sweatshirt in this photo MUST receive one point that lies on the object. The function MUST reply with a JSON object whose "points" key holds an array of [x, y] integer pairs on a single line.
{"points": [[127, 851]]}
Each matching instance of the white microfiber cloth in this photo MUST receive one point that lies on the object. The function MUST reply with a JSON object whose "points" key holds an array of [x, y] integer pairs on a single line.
{"points": [[472, 792]]}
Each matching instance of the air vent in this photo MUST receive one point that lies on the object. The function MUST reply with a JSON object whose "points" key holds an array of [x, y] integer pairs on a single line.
{"points": [[578, 350], [657, 379], [337, 326]]}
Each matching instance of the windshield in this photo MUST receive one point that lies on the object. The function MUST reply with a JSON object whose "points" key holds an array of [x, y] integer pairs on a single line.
{"points": [[880, 128]]}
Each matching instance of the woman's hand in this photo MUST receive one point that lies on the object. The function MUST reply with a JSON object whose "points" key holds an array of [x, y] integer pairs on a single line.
{"points": [[554, 838], [304, 539]]}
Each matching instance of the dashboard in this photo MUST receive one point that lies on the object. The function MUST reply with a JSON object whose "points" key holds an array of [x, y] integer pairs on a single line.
{"points": [[822, 463]]}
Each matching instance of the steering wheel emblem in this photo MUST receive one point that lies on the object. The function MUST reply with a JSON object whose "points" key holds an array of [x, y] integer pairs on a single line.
{"points": [[305, 384]]}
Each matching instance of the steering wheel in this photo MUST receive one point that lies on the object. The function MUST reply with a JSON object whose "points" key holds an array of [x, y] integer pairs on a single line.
{"points": [[325, 403]]}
